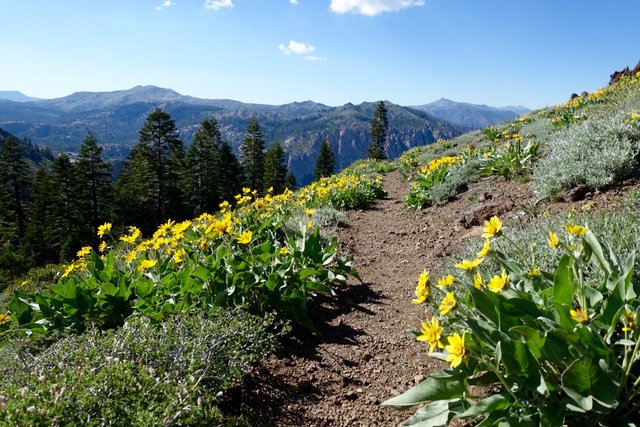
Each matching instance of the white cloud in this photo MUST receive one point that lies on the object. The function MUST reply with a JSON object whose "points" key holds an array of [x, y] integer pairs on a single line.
{"points": [[372, 7], [165, 4], [217, 4], [296, 48], [293, 2], [316, 58]]}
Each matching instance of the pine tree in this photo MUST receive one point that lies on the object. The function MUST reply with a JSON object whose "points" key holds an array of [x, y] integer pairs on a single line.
{"points": [[15, 177], [290, 181], [252, 151], [231, 170], [94, 188], [275, 169], [204, 172], [149, 186], [326, 163], [66, 208], [40, 239], [378, 133]]}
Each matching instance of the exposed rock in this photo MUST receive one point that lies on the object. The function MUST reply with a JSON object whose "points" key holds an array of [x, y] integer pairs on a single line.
{"points": [[617, 75], [476, 215]]}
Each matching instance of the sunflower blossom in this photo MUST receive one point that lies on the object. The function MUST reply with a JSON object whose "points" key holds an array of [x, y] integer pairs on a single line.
{"points": [[497, 283], [478, 281], [431, 333], [492, 228], [577, 230], [469, 265], [422, 288], [104, 229], [448, 303], [579, 315], [147, 264], [486, 248], [554, 242], [455, 349], [4, 318], [445, 281], [245, 237]]}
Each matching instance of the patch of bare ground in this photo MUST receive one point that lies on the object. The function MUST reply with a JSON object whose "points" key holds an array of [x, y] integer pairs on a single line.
{"points": [[366, 353]]}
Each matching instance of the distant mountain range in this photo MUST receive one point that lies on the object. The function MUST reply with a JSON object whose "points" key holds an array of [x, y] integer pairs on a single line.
{"points": [[116, 117], [471, 116]]}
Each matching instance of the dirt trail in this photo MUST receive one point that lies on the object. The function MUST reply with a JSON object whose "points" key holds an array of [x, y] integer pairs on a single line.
{"points": [[366, 353]]}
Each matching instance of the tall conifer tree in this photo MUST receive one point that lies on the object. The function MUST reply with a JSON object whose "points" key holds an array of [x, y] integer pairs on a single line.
{"points": [[94, 188], [326, 163], [15, 177], [275, 168], [252, 151], [378, 133]]}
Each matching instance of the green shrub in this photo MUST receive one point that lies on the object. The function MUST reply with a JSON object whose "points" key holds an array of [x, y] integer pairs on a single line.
{"points": [[555, 347], [594, 153], [143, 374]]}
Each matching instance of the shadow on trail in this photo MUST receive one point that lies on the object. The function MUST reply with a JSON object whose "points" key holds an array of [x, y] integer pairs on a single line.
{"points": [[268, 393]]}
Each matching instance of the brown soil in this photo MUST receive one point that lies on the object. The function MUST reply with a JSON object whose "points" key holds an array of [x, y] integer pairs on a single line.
{"points": [[366, 353]]}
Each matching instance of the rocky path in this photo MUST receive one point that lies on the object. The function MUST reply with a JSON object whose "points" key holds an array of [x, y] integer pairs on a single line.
{"points": [[366, 353]]}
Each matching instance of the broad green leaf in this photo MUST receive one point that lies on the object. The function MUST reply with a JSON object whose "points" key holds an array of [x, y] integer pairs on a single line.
{"points": [[447, 384], [564, 286], [307, 272], [532, 337], [435, 414], [585, 381], [484, 406]]}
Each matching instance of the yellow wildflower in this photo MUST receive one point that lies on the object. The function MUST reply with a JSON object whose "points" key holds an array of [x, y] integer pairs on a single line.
{"points": [[179, 255], [554, 242], [131, 256], [455, 349], [448, 303], [492, 227], [69, 270], [147, 264], [445, 281], [534, 272], [104, 229], [579, 315], [180, 228], [309, 212], [309, 224], [422, 288], [486, 248], [4, 318], [103, 246], [577, 230], [432, 333], [478, 281], [284, 250], [245, 237], [258, 204], [497, 283], [469, 265], [224, 206], [133, 236], [86, 250], [629, 321]]}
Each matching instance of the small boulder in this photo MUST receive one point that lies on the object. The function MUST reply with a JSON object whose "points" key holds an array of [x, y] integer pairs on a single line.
{"points": [[477, 214]]}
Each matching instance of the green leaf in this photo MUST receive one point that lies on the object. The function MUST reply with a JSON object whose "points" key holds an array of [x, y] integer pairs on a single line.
{"points": [[564, 287], [446, 384], [436, 414], [585, 381], [532, 337], [484, 406], [306, 272]]}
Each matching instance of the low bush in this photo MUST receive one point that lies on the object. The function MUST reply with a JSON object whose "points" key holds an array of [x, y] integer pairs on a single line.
{"points": [[171, 373], [594, 153]]}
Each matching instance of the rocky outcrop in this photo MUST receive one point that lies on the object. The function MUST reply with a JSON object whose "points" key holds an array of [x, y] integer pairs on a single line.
{"points": [[617, 75]]}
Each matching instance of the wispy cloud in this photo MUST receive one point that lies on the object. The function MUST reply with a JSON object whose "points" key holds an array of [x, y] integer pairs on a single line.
{"points": [[217, 4], [296, 48], [372, 7], [293, 2], [165, 4]]}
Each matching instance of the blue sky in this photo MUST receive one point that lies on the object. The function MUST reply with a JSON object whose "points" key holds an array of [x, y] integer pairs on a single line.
{"points": [[495, 52]]}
